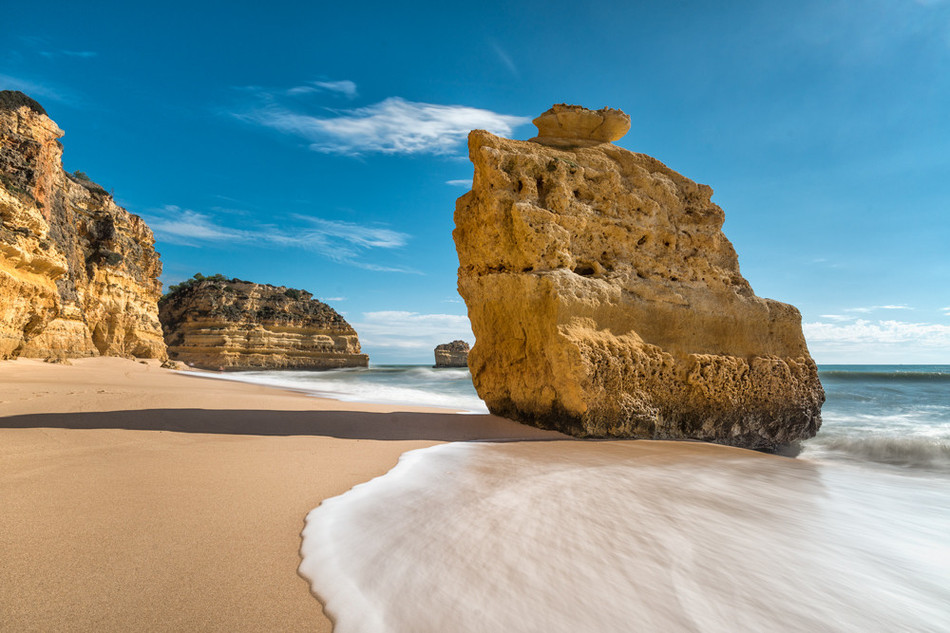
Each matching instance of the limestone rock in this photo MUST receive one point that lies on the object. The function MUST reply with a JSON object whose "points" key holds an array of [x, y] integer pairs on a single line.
{"points": [[606, 302], [78, 273], [576, 122], [230, 324], [454, 354]]}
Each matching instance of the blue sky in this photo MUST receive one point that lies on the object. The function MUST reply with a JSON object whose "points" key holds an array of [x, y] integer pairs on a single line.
{"points": [[321, 145]]}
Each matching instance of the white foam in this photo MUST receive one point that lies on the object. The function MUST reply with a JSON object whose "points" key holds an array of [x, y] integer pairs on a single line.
{"points": [[624, 536], [414, 386]]}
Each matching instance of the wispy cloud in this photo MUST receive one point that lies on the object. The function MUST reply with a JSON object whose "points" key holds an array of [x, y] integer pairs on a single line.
{"points": [[343, 242], [467, 183], [393, 126], [74, 54], [505, 59], [946, 311], [344, 87], [32, 89], [867, 309], [838, 317], [401, 330]]}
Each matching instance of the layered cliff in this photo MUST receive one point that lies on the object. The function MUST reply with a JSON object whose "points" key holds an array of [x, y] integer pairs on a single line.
{"points": [[230, 324], [78, 273], [606, 301], [454, 354]]}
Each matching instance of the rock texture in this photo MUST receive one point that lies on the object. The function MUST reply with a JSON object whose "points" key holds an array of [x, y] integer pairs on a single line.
{"points": [[78, 273], [454, 354], [606, 301], [229, 324]]}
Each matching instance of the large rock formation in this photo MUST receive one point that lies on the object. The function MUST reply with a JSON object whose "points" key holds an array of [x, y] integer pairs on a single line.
{"points": [[78, 273], [229, 324], [606, 301], [454, 354]]}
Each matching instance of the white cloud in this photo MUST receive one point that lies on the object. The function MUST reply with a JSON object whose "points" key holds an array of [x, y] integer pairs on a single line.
{"points": [[867, 309], [344, 87], [343, 242], [393, 126], [467, 183], [865, 341], [837, 317], [411, 331]]}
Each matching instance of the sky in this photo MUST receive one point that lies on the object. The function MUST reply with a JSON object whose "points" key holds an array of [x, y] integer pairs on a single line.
{"points": [[322, 145]]}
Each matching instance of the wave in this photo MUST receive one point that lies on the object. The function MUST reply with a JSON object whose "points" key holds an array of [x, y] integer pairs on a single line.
{"points": [[912, 452], [885, 376], [593, 536]]}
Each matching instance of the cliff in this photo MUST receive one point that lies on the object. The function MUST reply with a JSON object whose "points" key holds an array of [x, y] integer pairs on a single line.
{"points": [[454, 354], [606, 301], [218, 323], [78, 273]]}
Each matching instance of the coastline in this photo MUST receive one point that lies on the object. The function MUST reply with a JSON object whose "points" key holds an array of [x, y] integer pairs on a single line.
{"points": [[139, 498]]}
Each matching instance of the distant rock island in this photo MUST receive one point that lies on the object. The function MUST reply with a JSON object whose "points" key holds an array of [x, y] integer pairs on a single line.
{"points": [[78, 273], [606, 301], [454, 354], [230, 324]]}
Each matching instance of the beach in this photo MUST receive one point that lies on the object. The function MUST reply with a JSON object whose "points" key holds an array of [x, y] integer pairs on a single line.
{"points": [[138, 498]]}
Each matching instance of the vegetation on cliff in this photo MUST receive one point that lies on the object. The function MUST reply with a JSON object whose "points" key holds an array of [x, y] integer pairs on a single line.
{"points": [[221, 323]]}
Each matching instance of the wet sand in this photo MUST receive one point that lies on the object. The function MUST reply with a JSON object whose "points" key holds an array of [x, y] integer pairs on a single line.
{"points": [[139, 499]]}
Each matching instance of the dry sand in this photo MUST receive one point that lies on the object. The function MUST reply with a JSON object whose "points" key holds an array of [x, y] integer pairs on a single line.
{"points": [[133, 498]]}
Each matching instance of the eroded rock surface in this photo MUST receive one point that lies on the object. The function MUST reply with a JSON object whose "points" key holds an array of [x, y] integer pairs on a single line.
{"points": [[454, 354], [606, 302], [574, 122], [230, 324], [78, 273]]}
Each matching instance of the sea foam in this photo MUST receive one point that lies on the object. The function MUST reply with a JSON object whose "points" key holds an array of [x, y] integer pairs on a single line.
{"points": [[630, 536]]}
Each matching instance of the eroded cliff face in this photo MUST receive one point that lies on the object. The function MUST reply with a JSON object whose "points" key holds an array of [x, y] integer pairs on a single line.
{"points": [[229, 324], [454, 354], [606, 301], [78, 273]]}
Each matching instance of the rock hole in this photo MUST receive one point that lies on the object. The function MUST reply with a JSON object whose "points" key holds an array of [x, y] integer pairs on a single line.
{"points": [[520, 186], [527, 269], [667, 244], [642, 241], [577, 194], [584, 271]]}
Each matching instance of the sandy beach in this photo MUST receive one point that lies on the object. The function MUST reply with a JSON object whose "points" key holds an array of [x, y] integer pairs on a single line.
{"points": [[140, 499]]}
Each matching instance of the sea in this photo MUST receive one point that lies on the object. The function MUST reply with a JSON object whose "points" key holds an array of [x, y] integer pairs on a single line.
{"points": [[852, 534]]}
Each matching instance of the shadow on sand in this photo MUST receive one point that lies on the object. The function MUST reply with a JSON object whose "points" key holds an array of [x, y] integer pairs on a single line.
{"points": [[448, 427]]}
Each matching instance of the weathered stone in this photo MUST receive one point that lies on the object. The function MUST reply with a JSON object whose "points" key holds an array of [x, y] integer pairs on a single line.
{"points": [[78, 273], [454, 354], [576, 122], [606, 302], [229, 324]]}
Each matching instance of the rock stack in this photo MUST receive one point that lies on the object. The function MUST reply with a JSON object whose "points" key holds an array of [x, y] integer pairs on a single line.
{"points": [[230, 324], [606, 301], [78, 273], [454, 354]]}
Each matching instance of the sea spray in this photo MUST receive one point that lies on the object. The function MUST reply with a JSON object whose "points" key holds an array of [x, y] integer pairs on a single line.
{"points": [[621, 536]]}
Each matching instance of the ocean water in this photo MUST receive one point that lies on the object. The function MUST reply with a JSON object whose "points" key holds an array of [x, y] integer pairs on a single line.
{"points": [[417, 385], [851, 535]]}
